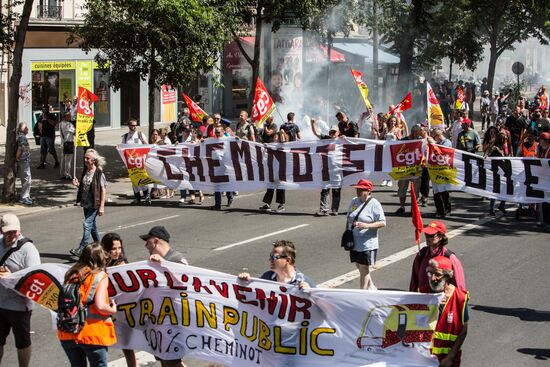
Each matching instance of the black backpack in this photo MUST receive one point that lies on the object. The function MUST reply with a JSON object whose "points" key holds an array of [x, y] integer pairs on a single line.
{"points": [[71, 311]]}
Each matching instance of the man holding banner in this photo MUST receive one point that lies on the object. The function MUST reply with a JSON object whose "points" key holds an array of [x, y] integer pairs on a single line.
{"points": [[136, 137]]}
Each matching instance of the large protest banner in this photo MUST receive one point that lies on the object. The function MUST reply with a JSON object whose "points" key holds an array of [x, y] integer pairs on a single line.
{"points": [[236, 165], [173, 310]]}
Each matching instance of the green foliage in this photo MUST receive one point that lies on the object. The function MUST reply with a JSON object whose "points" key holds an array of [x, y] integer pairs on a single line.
{"points": [[169, 40], [8, 19]]}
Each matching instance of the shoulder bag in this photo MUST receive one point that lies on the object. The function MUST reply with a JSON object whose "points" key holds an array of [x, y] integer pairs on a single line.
{"points": [[347, 237]]}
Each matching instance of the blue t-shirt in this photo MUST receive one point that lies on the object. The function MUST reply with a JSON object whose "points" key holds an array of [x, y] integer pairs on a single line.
{"points": [[365, 239]]}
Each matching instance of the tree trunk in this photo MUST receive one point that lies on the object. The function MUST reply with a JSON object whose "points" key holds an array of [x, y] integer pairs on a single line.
{"points": [[406, 49], [8, 192], [151, 94], [256, 59], [450, 70], [492, 67], [375, 42]]}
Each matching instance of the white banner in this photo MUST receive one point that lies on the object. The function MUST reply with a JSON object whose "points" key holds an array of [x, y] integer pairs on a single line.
{"points": [[173, 310], [237, 165]]}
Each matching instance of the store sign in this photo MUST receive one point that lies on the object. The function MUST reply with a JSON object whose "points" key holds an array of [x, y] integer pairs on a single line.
{"points": [[84, 75], [53, 65]]}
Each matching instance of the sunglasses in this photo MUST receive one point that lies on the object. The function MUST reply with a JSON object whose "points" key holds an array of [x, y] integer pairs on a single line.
{"points": [[275, 257]]}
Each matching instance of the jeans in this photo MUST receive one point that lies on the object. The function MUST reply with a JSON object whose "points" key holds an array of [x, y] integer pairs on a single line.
{"points": [[335, 199], [218, 198], [492, 203], [25, 175], [90, 215], [77, 354]]}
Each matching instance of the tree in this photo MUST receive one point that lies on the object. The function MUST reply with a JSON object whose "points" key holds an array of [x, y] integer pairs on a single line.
{"points": [[504, 22], [164, 41], [308, 13], [12, 43]]}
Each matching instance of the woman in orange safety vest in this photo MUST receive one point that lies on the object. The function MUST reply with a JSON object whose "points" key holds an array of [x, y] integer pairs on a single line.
{"points": [[98, 332]]}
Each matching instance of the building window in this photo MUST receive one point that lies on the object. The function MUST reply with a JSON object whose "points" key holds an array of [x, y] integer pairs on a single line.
{"points": [[49, 9]]}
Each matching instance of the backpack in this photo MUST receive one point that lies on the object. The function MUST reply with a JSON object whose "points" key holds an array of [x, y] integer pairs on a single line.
{"points": [[71, 311], [20, 244]]}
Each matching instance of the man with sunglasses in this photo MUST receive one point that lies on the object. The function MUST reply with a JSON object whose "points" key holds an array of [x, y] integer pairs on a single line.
{"points": [[282, 261], [436, 245], [452, 324]]}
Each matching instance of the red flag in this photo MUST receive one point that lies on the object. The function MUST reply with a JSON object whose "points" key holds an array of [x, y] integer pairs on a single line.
{"points": [[459, 98], [197, 113], [263, 105], [404, 105], [416, 217]]}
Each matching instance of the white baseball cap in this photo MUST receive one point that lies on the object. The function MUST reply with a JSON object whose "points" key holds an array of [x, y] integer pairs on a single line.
{"points": [[10, 222]]}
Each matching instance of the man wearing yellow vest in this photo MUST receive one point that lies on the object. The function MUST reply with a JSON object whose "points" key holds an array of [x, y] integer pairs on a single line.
{"points": [[452, 324]]}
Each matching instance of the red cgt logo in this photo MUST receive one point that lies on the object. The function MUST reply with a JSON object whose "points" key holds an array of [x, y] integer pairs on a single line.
{"points": [[407, 154], [135, 158]]}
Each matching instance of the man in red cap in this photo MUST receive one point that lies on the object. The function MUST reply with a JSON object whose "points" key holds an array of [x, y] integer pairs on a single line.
{"points": [[468, 139], [452, 324], [436, 245], [365, 217]]}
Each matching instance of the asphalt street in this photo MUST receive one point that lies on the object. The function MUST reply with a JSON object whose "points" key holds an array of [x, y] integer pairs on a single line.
{"points": [[505, 261]]}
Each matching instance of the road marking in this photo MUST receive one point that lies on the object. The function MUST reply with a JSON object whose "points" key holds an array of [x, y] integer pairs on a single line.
{"points": [[260, 237], [398, 256], [143, 223]]}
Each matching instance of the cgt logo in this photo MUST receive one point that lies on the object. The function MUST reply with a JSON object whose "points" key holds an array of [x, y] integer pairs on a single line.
{"points": [[408, 154], [135, 158], [440, 156]]}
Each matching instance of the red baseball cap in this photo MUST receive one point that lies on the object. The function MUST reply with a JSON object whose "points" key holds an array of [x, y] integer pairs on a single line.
{"points": [[545, 135], [443, 262], [466, 121], [435, 227], [363, 185]]}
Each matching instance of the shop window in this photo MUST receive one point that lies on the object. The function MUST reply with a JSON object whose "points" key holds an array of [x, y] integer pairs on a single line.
{"points": [[102, 106], [53, 88]]}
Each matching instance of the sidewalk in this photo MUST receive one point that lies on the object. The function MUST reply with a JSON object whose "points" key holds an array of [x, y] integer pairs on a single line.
{"points": [[48, 191]]}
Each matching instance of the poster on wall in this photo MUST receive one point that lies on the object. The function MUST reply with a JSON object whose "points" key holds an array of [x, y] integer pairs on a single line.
{"points": [[286, 61]]}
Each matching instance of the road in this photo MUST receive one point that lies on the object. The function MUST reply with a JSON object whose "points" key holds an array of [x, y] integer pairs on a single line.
{"points": [[505, 261]]}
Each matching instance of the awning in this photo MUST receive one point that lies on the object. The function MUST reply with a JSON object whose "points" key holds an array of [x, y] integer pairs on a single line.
{"points": [[365, 50], [319, 54]]}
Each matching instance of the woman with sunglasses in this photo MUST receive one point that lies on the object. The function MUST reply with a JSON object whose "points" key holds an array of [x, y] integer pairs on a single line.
{"points": [[282, 261]]}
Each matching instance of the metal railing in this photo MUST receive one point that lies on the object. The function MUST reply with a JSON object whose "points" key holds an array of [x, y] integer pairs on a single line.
{"points": [[49, 12]]}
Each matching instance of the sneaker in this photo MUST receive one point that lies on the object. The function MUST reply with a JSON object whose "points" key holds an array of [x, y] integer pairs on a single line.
{"points": [[215, 207], [390, 183], [26, 201], [321, 213], [135, 202], [56, 165], [75, 252], [280, 208], [265, 207], [229, 202], [334, 213], [372, 287], [182, 201], [384, 183], [41, 166], [148, 200], [502, 208], [400, 211]]}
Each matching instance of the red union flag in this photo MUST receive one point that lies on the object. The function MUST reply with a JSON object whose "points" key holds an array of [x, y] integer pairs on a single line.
{"points": [[435, 114], [459, 103], [134, 159], [263, 105], [404, 105], [406, 160], [197, 113], [84, 116]]}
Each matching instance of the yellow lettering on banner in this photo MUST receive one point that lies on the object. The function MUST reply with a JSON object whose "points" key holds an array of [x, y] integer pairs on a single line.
{"points": [[279, 347], [263, 337], [53, 65], [139, 177], [303, 338], [244, 326], [127, 308], [185, 315], [203, 314], [84, 124], [398, 173], [315, 347], [167, 309], [146, 306], [443, 174], [230, 317]]}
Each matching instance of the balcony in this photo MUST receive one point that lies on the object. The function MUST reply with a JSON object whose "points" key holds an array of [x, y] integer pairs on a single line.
{"points": [[47, 12]]}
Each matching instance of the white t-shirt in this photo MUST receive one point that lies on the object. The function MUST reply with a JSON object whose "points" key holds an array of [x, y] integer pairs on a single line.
{"points": [[136, 138]]}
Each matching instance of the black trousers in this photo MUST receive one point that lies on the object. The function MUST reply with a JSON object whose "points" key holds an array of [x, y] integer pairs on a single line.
{"points": [[442, 201], [280, 197], [425, 183]]}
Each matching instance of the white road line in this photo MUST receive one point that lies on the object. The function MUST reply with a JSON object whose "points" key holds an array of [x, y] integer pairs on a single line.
{"points": [[143, 223], [398, 256], [259, 237]]}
